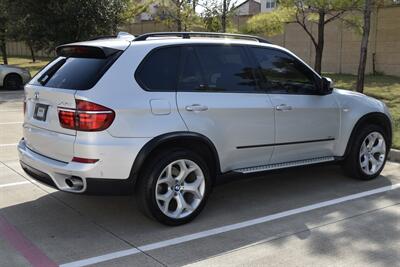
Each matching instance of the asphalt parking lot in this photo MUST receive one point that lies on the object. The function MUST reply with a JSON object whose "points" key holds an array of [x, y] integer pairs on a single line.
{"points": [[314, 216]]}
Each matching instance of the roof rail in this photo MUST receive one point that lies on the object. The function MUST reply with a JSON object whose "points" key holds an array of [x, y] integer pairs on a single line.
{"points": [[187, 35]]}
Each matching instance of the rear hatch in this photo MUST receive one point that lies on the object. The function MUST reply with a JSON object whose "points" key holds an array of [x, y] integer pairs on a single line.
{"points": [[78, 67]]}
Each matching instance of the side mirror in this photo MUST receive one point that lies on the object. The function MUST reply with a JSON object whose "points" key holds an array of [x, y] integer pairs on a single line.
{"points": [[326, 85]]}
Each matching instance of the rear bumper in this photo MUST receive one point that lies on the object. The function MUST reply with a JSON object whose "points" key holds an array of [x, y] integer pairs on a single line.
{"points": [[55, 173], [93, 185]]}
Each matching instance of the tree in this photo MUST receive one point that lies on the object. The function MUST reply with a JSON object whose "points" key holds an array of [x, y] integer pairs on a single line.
{"points": [[217, 14], [364, 45], [46, 24], [4, 24], [177, 14], [306, 13], [135, 8], [27, 26]]}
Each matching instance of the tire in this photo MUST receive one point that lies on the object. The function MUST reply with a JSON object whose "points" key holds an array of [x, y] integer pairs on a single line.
{"points": [[359, 163], [155, 184], [12, 82]]}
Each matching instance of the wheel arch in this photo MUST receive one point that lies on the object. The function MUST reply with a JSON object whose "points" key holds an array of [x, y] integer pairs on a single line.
{"points": [[11, 74], [377, 118], [190, 140]]}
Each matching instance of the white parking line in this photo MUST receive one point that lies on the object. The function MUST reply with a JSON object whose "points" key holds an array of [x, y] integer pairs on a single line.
{"points": [[10, 110], [14, 184], [227, 228], [5, 145], [13, 122]]}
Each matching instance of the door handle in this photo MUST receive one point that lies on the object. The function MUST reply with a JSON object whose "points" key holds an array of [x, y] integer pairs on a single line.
{"points": [[196, 107], [283, 107]]}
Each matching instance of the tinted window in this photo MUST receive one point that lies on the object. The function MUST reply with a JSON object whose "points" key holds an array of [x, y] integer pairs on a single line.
{"points": [[223, 69], [191, 77], [159, 71], [283, 73], [75, 73]]}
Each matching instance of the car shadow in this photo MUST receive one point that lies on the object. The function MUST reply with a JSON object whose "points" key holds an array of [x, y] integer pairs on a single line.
{"points": [[234, 199]]}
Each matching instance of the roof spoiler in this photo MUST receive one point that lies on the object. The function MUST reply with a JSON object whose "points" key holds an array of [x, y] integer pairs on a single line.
{"points": [[85, 51]]}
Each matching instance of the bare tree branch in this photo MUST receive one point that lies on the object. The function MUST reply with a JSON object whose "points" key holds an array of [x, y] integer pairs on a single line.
{"points": [[302, 23], [335, 17]]}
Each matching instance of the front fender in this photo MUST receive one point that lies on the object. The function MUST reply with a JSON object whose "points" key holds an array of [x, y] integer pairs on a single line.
{"points": [[355, 110]]}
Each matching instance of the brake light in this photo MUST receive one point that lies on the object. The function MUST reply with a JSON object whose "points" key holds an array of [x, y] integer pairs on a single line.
{"points": [[87, 116], [67, 118]]}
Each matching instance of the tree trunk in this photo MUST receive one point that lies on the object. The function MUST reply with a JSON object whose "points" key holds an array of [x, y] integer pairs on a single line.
{"points": [[32, 52], [4, 51], [3, 48], [223, 17], [319, 48], [179, 25], [364, 46], [179, 19]]}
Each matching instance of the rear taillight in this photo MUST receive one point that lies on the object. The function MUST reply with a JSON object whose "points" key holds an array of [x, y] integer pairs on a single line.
{"points": [[87, 116]]}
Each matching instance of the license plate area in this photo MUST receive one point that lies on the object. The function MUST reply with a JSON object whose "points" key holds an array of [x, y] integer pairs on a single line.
{"points": [[40, 112]]}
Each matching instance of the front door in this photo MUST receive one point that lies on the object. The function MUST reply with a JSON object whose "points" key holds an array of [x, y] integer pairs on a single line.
{"points": [[306, 122]]}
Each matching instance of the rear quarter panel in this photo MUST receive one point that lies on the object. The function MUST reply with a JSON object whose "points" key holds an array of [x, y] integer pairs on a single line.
{"points": [[118, 90]]}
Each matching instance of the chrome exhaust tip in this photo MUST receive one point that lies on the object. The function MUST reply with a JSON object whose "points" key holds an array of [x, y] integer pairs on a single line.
{"points": [[74, 183]]}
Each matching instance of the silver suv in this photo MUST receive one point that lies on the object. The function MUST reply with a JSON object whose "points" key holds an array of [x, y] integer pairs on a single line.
{"points": [[163, 115]]}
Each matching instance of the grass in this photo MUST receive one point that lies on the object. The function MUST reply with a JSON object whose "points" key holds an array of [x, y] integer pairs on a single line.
{"points": [[28, 64], [383, 87], [386, 88]]}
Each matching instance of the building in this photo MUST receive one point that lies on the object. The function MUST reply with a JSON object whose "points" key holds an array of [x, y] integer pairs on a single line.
{"points": [[149, 14], [248, 7], [268, 5]]}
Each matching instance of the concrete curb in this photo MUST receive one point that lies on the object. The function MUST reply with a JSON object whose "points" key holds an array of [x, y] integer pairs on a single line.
{"points": [[394, 155]]}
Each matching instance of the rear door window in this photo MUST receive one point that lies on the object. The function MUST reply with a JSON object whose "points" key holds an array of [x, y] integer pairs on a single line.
{"points": [[226, 69], [191, 74], [76, 73]]}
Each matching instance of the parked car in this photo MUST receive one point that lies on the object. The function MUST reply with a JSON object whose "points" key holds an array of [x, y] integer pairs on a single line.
{"points": [[163, 115], [13, 78]]}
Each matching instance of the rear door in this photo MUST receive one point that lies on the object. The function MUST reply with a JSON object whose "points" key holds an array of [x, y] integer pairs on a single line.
{"points": [[218, 96], [53, 89]]}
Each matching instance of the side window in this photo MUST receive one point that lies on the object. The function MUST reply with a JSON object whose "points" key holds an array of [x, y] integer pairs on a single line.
{"points": [[191, 76], [283, 73], [218, 68], [159, 70]]}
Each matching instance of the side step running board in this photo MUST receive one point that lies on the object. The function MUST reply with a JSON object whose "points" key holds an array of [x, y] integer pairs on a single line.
{"points": [[276, 166]]}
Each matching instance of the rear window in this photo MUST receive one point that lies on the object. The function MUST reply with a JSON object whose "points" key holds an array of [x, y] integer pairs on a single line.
{"points": [[76, 73]]}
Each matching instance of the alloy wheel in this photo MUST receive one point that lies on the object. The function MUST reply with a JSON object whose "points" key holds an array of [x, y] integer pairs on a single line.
{"points": [[180, 188], [372, 153]]}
